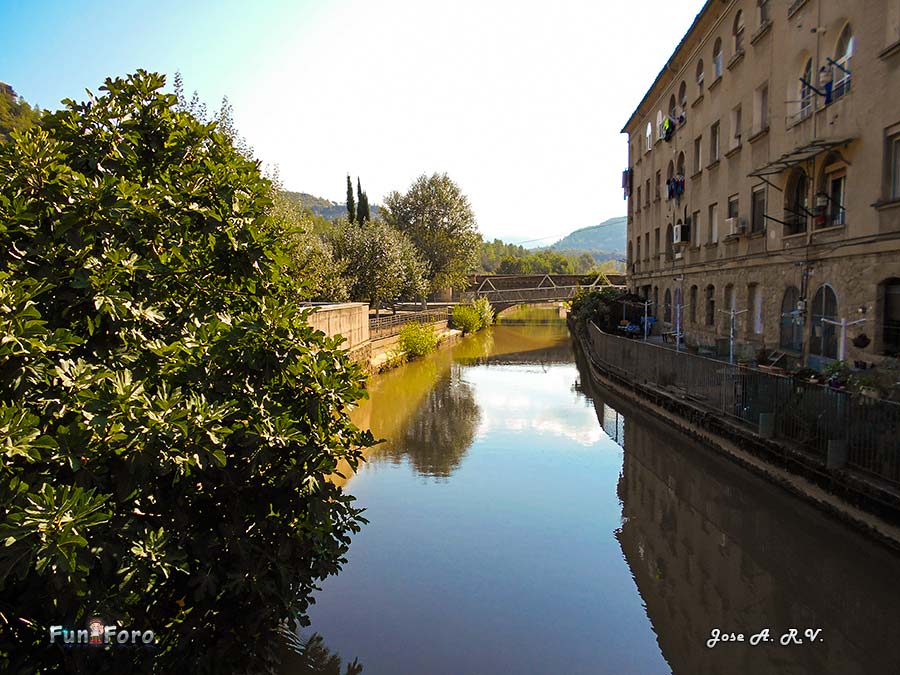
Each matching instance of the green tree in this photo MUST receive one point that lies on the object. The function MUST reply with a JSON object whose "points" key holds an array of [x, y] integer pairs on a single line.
{"points": [[15, 113], [437, 216], [169, 418], [351, 203]]}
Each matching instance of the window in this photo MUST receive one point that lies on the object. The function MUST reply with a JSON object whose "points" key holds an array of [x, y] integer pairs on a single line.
{"points": [[806, 90], [791, 333], [682, 97], [679, 165], [761, 108], [656, 248], [646, 246], [841, 67], [647, 193], [698, 154], [714, 143], [649, 136], [837, 181], [667, 308], [889, 292], [755, 305], [637, 249], [710, 305], [695, 229], [733, 207], [763, 6], [894, 164], [659, 124], [670, 243], [736, 127], [737, 31], [658, 183], [717, 59], [630, 258], [700, 77], [639, 198], [713, 223], [823, 335], [693, 304], [758, 210], [673, 108], [796, 203]]}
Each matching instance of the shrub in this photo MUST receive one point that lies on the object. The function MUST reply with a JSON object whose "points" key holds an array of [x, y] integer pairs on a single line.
{"points": [[466, 318], [485, 311], [160, 388], [418, 339], [596, 305]]}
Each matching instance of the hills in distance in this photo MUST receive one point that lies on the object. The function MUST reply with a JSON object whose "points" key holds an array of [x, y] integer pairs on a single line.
{"points": [[608, 238], [605, 241]]}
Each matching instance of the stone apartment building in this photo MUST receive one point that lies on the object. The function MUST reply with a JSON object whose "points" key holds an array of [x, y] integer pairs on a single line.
{"points": [[764, 176]]}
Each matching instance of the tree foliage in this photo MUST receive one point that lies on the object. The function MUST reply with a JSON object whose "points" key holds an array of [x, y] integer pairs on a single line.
{"points": [[351, 202], [437, 216], [168, 416], [15, 113]]}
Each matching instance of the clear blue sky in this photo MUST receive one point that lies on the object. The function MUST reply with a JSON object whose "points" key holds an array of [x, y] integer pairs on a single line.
{"points": [[521, 103]]}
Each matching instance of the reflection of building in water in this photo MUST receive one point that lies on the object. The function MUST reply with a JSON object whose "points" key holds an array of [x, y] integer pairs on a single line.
{"points": [[711, 546]]}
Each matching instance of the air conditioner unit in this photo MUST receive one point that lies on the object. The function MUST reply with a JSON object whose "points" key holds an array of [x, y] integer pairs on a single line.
{"points": [[734, 226]]}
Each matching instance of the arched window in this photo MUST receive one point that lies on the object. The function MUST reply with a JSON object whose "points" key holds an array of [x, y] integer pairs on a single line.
{"points": [[673, 108], [700, 76], [710, 305], [737, 32], [889, 301], [679, 165], [670, 243], [670, 180], [831, 192], [649, 134], [659, 124], [693, 302], [682, 99], [763, 6], [796, 202], [717, 59], [791, 335], [823, 335], [805, 90], [843, 53], [667, 310]]}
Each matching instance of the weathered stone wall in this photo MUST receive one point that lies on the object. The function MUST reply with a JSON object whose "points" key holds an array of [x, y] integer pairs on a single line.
{"points": [[349, 319]]}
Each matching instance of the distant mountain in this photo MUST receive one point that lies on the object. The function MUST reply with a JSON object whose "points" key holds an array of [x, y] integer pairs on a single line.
{"points": [[326, 208], [609, 237]]}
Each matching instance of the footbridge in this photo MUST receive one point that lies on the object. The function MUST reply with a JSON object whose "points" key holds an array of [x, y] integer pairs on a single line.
{"points": [[504, 291]]}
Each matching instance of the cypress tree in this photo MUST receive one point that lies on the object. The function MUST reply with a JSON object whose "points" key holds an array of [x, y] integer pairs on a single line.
{"points": [[359, 200], [351, 204], [363, 212]]}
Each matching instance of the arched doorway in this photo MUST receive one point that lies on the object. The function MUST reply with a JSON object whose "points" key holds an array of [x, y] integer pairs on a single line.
{"points": [[823, 335]]}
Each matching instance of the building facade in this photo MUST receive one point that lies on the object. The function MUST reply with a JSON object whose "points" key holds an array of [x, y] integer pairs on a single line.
{"points": [[763, 181]]}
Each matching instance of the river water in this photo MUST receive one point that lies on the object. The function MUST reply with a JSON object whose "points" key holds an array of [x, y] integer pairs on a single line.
{"points": [[523, 520]]}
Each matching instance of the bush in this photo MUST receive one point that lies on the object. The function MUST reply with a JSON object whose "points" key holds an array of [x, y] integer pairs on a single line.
{"points": [[485, 311], [418, 339], [596, 305], [466, 318], [169, 418]]}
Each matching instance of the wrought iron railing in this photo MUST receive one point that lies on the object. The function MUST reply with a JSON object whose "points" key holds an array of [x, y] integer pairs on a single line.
{"points": [[809, 415], [390, 324]]}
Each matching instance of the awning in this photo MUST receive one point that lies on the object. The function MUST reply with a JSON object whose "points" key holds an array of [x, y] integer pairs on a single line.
{"points": [[798, 155]]}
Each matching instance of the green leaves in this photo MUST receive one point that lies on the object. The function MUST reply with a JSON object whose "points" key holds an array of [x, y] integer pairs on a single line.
{"points": [[160, 392]]}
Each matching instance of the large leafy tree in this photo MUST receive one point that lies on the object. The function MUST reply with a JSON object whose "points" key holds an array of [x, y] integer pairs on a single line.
{"points": [[15, 113], [167, 416], [436, 215]]}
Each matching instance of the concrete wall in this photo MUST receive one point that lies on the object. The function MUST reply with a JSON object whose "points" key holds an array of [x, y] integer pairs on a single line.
{"points": [[348, 319], [855, 258]]}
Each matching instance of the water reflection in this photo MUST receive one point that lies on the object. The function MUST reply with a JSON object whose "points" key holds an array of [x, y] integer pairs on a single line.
{"points": [[711, 546], [310, 656]]}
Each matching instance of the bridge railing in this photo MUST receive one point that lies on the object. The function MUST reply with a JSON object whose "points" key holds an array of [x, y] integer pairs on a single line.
{"points": [[810, 415], [390, 324]]}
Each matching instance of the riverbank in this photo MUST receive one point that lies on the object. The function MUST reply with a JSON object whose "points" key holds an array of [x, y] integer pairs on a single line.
{"points": [[871, 508]]}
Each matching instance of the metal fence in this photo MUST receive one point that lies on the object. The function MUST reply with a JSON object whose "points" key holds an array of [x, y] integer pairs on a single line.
{"points": [[809, 415], [384, 326]]}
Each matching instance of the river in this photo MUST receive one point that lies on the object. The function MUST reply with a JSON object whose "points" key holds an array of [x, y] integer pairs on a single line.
{"points": [[523, 520]]}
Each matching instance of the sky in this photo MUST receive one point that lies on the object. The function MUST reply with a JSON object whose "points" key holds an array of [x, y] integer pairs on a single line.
{"points": [[520, 103]]}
